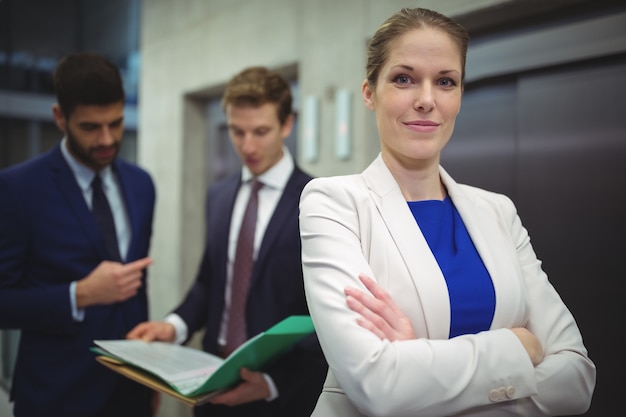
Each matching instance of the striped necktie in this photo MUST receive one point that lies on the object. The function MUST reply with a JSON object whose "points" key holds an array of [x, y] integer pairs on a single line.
{"points": [[242, 271]]}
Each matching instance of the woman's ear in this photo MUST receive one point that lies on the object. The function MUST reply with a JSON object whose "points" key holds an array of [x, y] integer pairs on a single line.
{"points": [[366, 91]]}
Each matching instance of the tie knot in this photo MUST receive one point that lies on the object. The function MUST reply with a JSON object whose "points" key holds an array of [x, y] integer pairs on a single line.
{"points": [[96, 183], [255, 185]]}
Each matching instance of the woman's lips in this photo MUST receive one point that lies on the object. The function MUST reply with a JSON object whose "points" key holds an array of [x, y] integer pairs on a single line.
{"points": [[422, 126]]}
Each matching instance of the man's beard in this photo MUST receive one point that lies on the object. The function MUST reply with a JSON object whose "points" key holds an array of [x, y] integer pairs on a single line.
{"points": [[85, 155]]}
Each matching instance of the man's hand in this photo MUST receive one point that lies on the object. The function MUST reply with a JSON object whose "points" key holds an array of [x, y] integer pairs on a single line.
{"points": [[153, 330], [253, 388], [379, 313], [110, 282]]}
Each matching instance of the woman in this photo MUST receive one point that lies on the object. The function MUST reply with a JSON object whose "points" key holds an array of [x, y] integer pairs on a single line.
{"points": [[426, 294]]}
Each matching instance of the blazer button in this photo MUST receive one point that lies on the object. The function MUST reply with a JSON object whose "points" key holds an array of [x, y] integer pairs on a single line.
{"points": [[497, 394], [510, 392]]}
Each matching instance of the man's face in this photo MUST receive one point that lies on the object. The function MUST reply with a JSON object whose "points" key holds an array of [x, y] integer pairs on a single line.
{"points": [[257, 135], [94, 133]]}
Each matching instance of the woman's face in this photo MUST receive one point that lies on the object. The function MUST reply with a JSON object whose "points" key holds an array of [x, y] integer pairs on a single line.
{"points": [[417, 97]]}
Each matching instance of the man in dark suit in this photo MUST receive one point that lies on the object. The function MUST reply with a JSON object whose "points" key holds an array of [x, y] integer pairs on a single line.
{"points": [[70, 276], [257, 103]]}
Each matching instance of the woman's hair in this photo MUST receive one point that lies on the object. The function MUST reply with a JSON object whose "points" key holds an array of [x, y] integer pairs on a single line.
{"points": [[405, 21], [256, 86], [83, 79]]}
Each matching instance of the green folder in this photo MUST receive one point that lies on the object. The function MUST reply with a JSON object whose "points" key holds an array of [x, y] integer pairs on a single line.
{"points": [[148, 363]]}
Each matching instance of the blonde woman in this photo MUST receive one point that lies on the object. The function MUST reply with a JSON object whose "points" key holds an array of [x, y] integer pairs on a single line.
{"points": [[426, 294]]}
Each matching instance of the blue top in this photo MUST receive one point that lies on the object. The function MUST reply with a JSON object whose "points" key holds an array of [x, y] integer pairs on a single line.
{"points": [[472, 296]]}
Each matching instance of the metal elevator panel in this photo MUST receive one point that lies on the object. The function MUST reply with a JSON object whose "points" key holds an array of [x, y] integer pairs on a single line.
{"points": [[554, 140]]}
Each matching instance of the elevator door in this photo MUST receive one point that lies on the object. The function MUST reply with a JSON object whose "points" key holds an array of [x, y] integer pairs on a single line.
{"points": [[555, 141]]}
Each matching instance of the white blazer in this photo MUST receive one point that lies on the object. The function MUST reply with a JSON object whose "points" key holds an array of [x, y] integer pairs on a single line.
{"points": [[362, 224]]}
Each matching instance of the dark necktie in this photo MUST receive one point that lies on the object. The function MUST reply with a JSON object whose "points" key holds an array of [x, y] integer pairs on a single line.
{"points": [[104, 217], [242, 270]]}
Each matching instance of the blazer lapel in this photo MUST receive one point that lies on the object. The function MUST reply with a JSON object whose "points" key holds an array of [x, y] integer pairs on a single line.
{"points": [[130, 204], [64, 179], [422, 266], [486, 234], [286, 207], [220, 229]]}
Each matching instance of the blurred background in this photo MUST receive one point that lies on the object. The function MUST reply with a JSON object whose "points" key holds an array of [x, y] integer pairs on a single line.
{"points": [[543, 120]]}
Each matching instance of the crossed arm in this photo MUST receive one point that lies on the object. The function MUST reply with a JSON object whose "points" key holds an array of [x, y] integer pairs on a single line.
{"points": [[379, 314]]}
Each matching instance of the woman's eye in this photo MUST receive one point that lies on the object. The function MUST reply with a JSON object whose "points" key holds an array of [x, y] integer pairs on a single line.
{"points": [[402, 79], [447, 82]]}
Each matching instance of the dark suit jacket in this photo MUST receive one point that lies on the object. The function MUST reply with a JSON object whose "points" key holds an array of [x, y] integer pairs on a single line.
{"points": [[48, 238], [277, 291]]}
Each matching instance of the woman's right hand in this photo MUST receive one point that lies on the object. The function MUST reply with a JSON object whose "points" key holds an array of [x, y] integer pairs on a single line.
{"points": [[531, 344], [380, 315], [378, 312]]}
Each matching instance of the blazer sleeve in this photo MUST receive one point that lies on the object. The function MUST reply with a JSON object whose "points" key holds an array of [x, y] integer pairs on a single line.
{"points": [[193, 309], [339, 224], [35, 308], [199, 301], [44, 308], [566, 377]]}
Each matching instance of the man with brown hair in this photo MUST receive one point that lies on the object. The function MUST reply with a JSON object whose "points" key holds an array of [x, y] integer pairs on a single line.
{"points": [[258, 106], [75, 230]]}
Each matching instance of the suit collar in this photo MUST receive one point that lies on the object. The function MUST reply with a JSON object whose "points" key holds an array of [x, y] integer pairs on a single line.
{"points": [[286, 208], [275, 177], [484, 225], [379, 179], [66, 182], [426, 275]]}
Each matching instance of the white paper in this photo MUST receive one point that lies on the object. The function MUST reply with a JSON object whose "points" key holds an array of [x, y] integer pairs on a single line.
{"points": [[183, 367]]}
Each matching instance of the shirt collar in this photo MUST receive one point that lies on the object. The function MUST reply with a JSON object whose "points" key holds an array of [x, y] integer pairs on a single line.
{"points": [[84, 176], [275, 177]]}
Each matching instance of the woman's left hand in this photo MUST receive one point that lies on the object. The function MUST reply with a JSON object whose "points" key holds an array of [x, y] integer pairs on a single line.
{"points": [[378, 312]]}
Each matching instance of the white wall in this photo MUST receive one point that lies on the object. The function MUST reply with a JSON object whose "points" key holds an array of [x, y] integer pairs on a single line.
{"points": [[5, 407]]}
